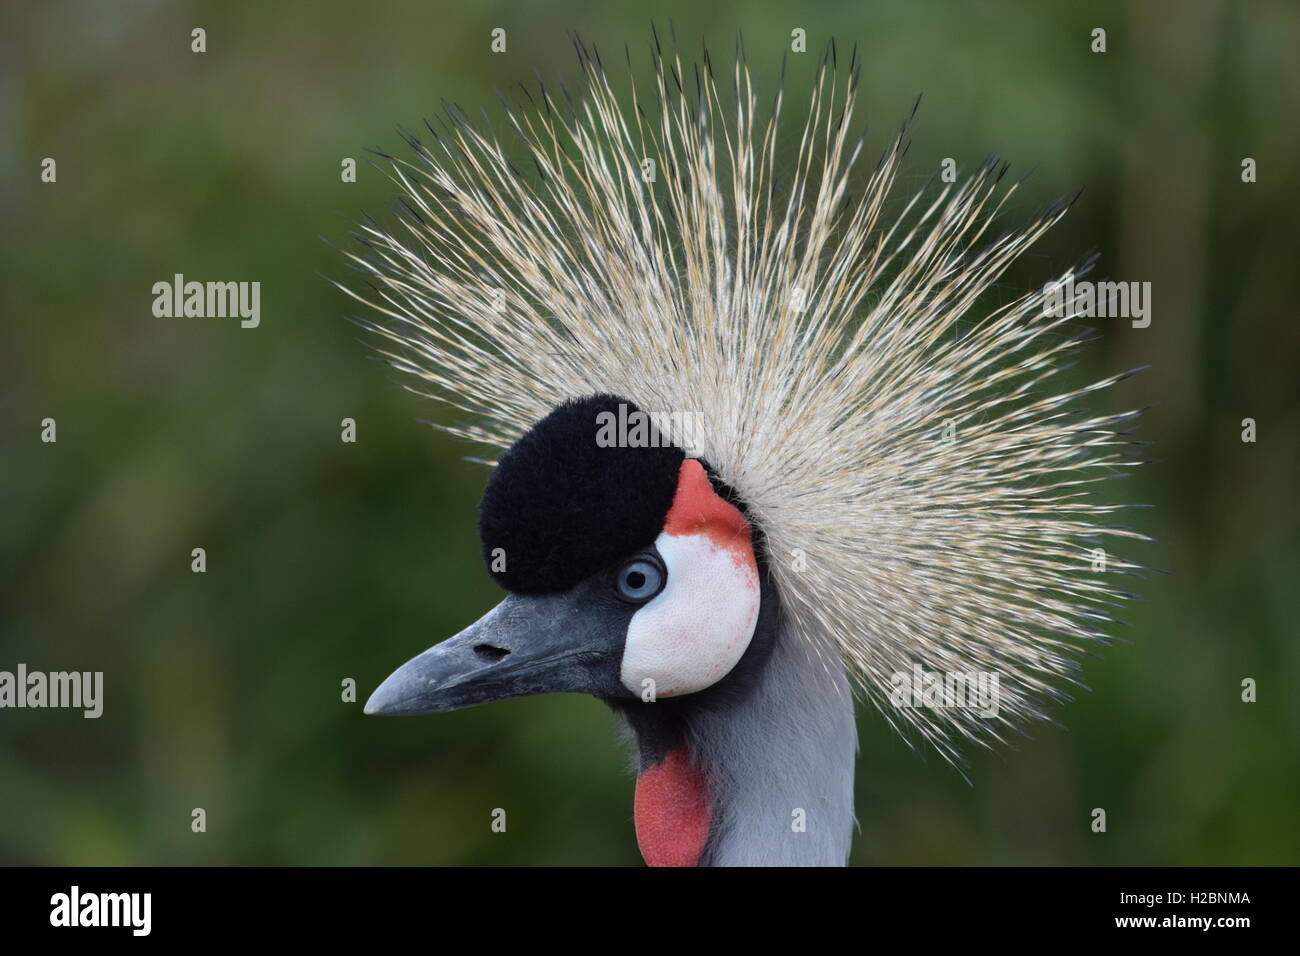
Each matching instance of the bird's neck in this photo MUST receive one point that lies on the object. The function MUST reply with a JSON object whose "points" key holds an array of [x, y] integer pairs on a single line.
{"points": [[757, 771]]}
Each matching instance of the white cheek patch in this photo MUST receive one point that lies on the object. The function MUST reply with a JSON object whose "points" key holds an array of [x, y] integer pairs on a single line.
{"points": [[693, 632]]}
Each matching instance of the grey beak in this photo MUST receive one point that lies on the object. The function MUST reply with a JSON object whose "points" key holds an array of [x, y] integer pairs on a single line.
{"points": [[553, 643]]}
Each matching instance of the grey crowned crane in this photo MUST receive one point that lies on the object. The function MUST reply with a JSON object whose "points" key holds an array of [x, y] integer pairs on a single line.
{"points": [[766, 447]]}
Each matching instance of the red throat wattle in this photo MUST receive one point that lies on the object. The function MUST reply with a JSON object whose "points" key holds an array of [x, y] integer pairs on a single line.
{"points": [[673, 809]]}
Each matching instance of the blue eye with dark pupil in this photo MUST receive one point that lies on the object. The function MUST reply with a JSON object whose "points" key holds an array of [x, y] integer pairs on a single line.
{"points": [[639, 580]]}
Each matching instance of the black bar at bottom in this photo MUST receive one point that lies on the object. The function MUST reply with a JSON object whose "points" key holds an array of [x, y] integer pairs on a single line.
{"points": [[367, 906]]}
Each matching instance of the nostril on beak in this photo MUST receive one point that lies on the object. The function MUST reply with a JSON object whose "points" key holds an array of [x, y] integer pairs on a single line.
{"points": [[489, 652]]}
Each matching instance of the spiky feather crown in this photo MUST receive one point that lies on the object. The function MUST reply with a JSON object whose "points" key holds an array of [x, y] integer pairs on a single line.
{"points": [[921, 488]]}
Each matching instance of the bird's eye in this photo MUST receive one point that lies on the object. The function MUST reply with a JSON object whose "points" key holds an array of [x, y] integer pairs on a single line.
{"points": [[640, 579]]}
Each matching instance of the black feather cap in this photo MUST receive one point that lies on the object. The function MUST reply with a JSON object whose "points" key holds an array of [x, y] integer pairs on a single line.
{"points": [[564, 502]]}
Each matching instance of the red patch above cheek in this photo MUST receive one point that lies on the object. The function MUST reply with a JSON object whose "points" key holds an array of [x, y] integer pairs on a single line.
{"points": [[698, 509]]}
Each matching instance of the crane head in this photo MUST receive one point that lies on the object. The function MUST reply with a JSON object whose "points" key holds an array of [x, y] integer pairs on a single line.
{"points": [[631, 574]]}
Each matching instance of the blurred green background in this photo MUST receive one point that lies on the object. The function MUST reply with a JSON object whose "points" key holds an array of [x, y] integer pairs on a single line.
{"points": [[328, 561]]}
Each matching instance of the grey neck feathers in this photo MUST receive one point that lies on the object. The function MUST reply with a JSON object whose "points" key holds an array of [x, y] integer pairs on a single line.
{"points": [[780, 763]]}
